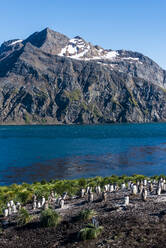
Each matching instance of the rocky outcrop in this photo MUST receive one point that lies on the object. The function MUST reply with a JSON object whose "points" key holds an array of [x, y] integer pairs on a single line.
{"points": [[50, 79]]}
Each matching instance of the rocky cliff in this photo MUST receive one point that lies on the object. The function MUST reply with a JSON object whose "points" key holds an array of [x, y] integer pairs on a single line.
{"points": [[51, 79]]}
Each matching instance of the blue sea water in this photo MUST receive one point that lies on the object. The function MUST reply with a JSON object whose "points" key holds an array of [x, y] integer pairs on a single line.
{"points": [[32, 153]]}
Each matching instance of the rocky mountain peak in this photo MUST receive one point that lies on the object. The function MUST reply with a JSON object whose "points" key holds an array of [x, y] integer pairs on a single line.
{"points": [[78, 37], [49, 78], [48, 40]]}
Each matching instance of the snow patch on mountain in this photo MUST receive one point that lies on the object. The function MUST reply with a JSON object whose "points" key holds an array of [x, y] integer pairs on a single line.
{"points": [[77, 48], [108, 55], [15, 42], [131, 58]]}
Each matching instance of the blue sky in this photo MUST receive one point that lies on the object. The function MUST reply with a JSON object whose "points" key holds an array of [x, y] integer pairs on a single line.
{"points": [[138, 25]]}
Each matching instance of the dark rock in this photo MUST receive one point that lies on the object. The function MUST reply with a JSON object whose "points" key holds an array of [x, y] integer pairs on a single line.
{"points": [[38, 86]]}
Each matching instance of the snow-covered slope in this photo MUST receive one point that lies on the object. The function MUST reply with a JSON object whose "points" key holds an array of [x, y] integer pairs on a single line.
{"points": [[13, 42], [78, 48]]}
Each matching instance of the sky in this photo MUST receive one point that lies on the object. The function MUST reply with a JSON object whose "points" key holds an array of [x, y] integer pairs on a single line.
{"points": [[137, 25]]}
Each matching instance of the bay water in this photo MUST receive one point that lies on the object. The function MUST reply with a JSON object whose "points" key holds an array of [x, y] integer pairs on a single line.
{"points": [[33, 153]]}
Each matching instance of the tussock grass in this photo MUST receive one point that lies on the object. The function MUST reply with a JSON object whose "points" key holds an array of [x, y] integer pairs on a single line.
{"points": [[23, 217], [89, 232], [87, 214], [49, 218]]}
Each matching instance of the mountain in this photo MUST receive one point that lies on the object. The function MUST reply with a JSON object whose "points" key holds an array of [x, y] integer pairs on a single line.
{"points": [[49, 78]]}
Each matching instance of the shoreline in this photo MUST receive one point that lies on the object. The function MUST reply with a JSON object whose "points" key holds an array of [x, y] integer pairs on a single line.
{"points": [[24, 192], [79, 124]]}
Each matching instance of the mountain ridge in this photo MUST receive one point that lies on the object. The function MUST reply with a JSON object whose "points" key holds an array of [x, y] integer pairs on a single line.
{"points": [[49, 78]]}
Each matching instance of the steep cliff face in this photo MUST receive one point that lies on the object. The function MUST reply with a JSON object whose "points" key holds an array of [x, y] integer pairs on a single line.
{"points": [[51, 79]]}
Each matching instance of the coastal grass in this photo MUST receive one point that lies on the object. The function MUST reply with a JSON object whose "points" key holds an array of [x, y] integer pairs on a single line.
{"points": [[49, 218], [87, 214], [89, 232], [24, 192], [23, 217]]}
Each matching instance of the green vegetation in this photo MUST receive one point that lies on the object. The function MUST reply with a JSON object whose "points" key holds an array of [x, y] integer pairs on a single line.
{"points": [[74, 95], [26, 118], [92, 108], [90, 232], [49, 218], [146, 112], [34, 118], [87, 214], [84, 105], [23, 217], [42, 95], [24, 192], [132, 99], [24, 197], [15, 91], [163, 89], [43, 120], [1, 231], [39, 120], [96, 112], [114, 100]]}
